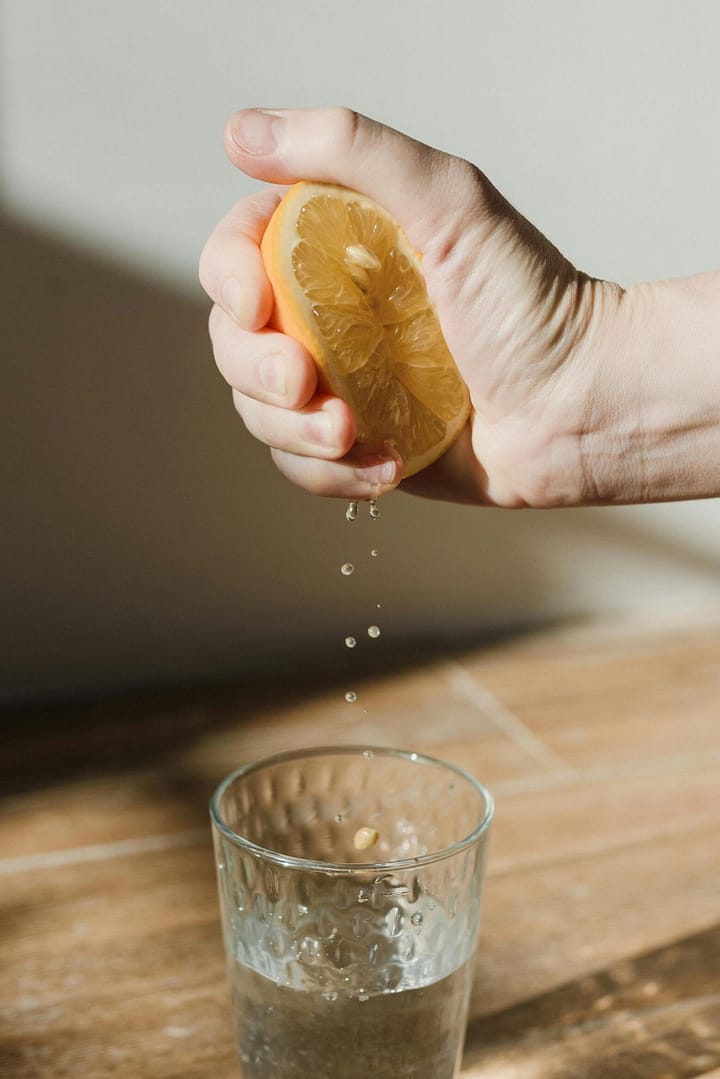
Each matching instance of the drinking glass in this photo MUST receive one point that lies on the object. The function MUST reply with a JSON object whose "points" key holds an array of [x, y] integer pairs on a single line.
{"points": [[350, 882]]}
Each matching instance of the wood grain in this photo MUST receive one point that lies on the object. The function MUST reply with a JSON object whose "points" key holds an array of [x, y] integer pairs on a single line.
{"points": [[653, 1017]]}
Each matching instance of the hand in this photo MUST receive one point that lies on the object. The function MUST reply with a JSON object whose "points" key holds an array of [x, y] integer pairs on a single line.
{"points": [[521, 322]]}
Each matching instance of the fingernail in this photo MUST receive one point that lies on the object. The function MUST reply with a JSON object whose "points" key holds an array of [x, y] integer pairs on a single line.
{"points": [[378, 475], [257, 131], [319, 429], [273, 374]]}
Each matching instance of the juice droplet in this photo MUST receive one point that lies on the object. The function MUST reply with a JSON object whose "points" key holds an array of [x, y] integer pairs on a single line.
{"points": [[374, 511], [379, 606], [350, 642], [373, 631], [351, 512], [374, 552], [351, 696], [347, 568]]}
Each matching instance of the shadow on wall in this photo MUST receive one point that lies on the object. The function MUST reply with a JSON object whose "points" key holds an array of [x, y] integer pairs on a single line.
{"points": [[146, 538]]}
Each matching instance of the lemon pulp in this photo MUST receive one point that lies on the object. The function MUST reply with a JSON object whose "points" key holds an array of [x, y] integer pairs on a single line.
{"points": [[348, 284]]}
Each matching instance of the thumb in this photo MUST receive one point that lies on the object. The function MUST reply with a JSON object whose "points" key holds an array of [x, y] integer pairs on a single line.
{"points": [[427, 191]]}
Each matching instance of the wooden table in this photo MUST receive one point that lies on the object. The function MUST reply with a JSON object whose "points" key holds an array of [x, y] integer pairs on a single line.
{"points": [[600, 948]]}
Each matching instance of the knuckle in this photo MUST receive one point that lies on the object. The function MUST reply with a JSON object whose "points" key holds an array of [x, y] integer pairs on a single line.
{"points": [[205, 275], [214, 319], [466, 173], [306, 472], [466, 184], [465, 200], [317, 477], [253, 415], [347, 126], [218, 341], [259, 420], [239, 400], [248, 413]]}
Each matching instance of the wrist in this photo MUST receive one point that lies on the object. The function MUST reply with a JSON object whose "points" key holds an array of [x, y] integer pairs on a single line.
{"points": [[652, 415]]}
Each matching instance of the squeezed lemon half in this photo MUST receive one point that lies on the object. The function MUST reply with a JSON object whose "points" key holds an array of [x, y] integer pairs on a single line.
{"points": [[349, 286]]}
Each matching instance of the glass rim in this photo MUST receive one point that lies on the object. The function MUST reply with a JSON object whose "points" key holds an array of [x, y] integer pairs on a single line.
{"points": [[290, 861]]}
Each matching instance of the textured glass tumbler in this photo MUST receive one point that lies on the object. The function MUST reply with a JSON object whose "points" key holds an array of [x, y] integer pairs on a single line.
{"points": [[350, 882]]}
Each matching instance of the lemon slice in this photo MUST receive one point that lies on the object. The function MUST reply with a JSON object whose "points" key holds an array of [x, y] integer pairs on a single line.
{"points": [[349, 286]]}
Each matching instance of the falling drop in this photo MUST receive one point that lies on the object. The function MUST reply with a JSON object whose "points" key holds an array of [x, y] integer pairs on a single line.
{"points": [[368, 754], [351, 512], [374, 552], [350, 642], [379, 606], [374, 511], [373, 631], [351, 696], [347, 568]]}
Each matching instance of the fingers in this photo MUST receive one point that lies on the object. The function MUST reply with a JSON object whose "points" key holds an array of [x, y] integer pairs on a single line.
{"points": [[231, 268], [361, 478], [265, 365], [273, 378], [325, 428], [274, 381], [424, 189]]}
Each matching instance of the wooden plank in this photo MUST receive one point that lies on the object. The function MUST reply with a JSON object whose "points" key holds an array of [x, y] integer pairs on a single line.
{"points": [[656, 1016], [98, 810], [612, 706], [554, 922], [580, 814], [190, 748], [417, 709]]}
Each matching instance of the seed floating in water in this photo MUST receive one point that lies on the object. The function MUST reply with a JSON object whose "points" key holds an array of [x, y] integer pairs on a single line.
{"points": [[365, 838], [374, 552], [347, 568], [350, 642], [350, 696], [374, 511], [351, 512], [373, 631]]}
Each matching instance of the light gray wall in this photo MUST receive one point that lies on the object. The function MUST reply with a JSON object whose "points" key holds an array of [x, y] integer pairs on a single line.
{"points": [[144, 535]]}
